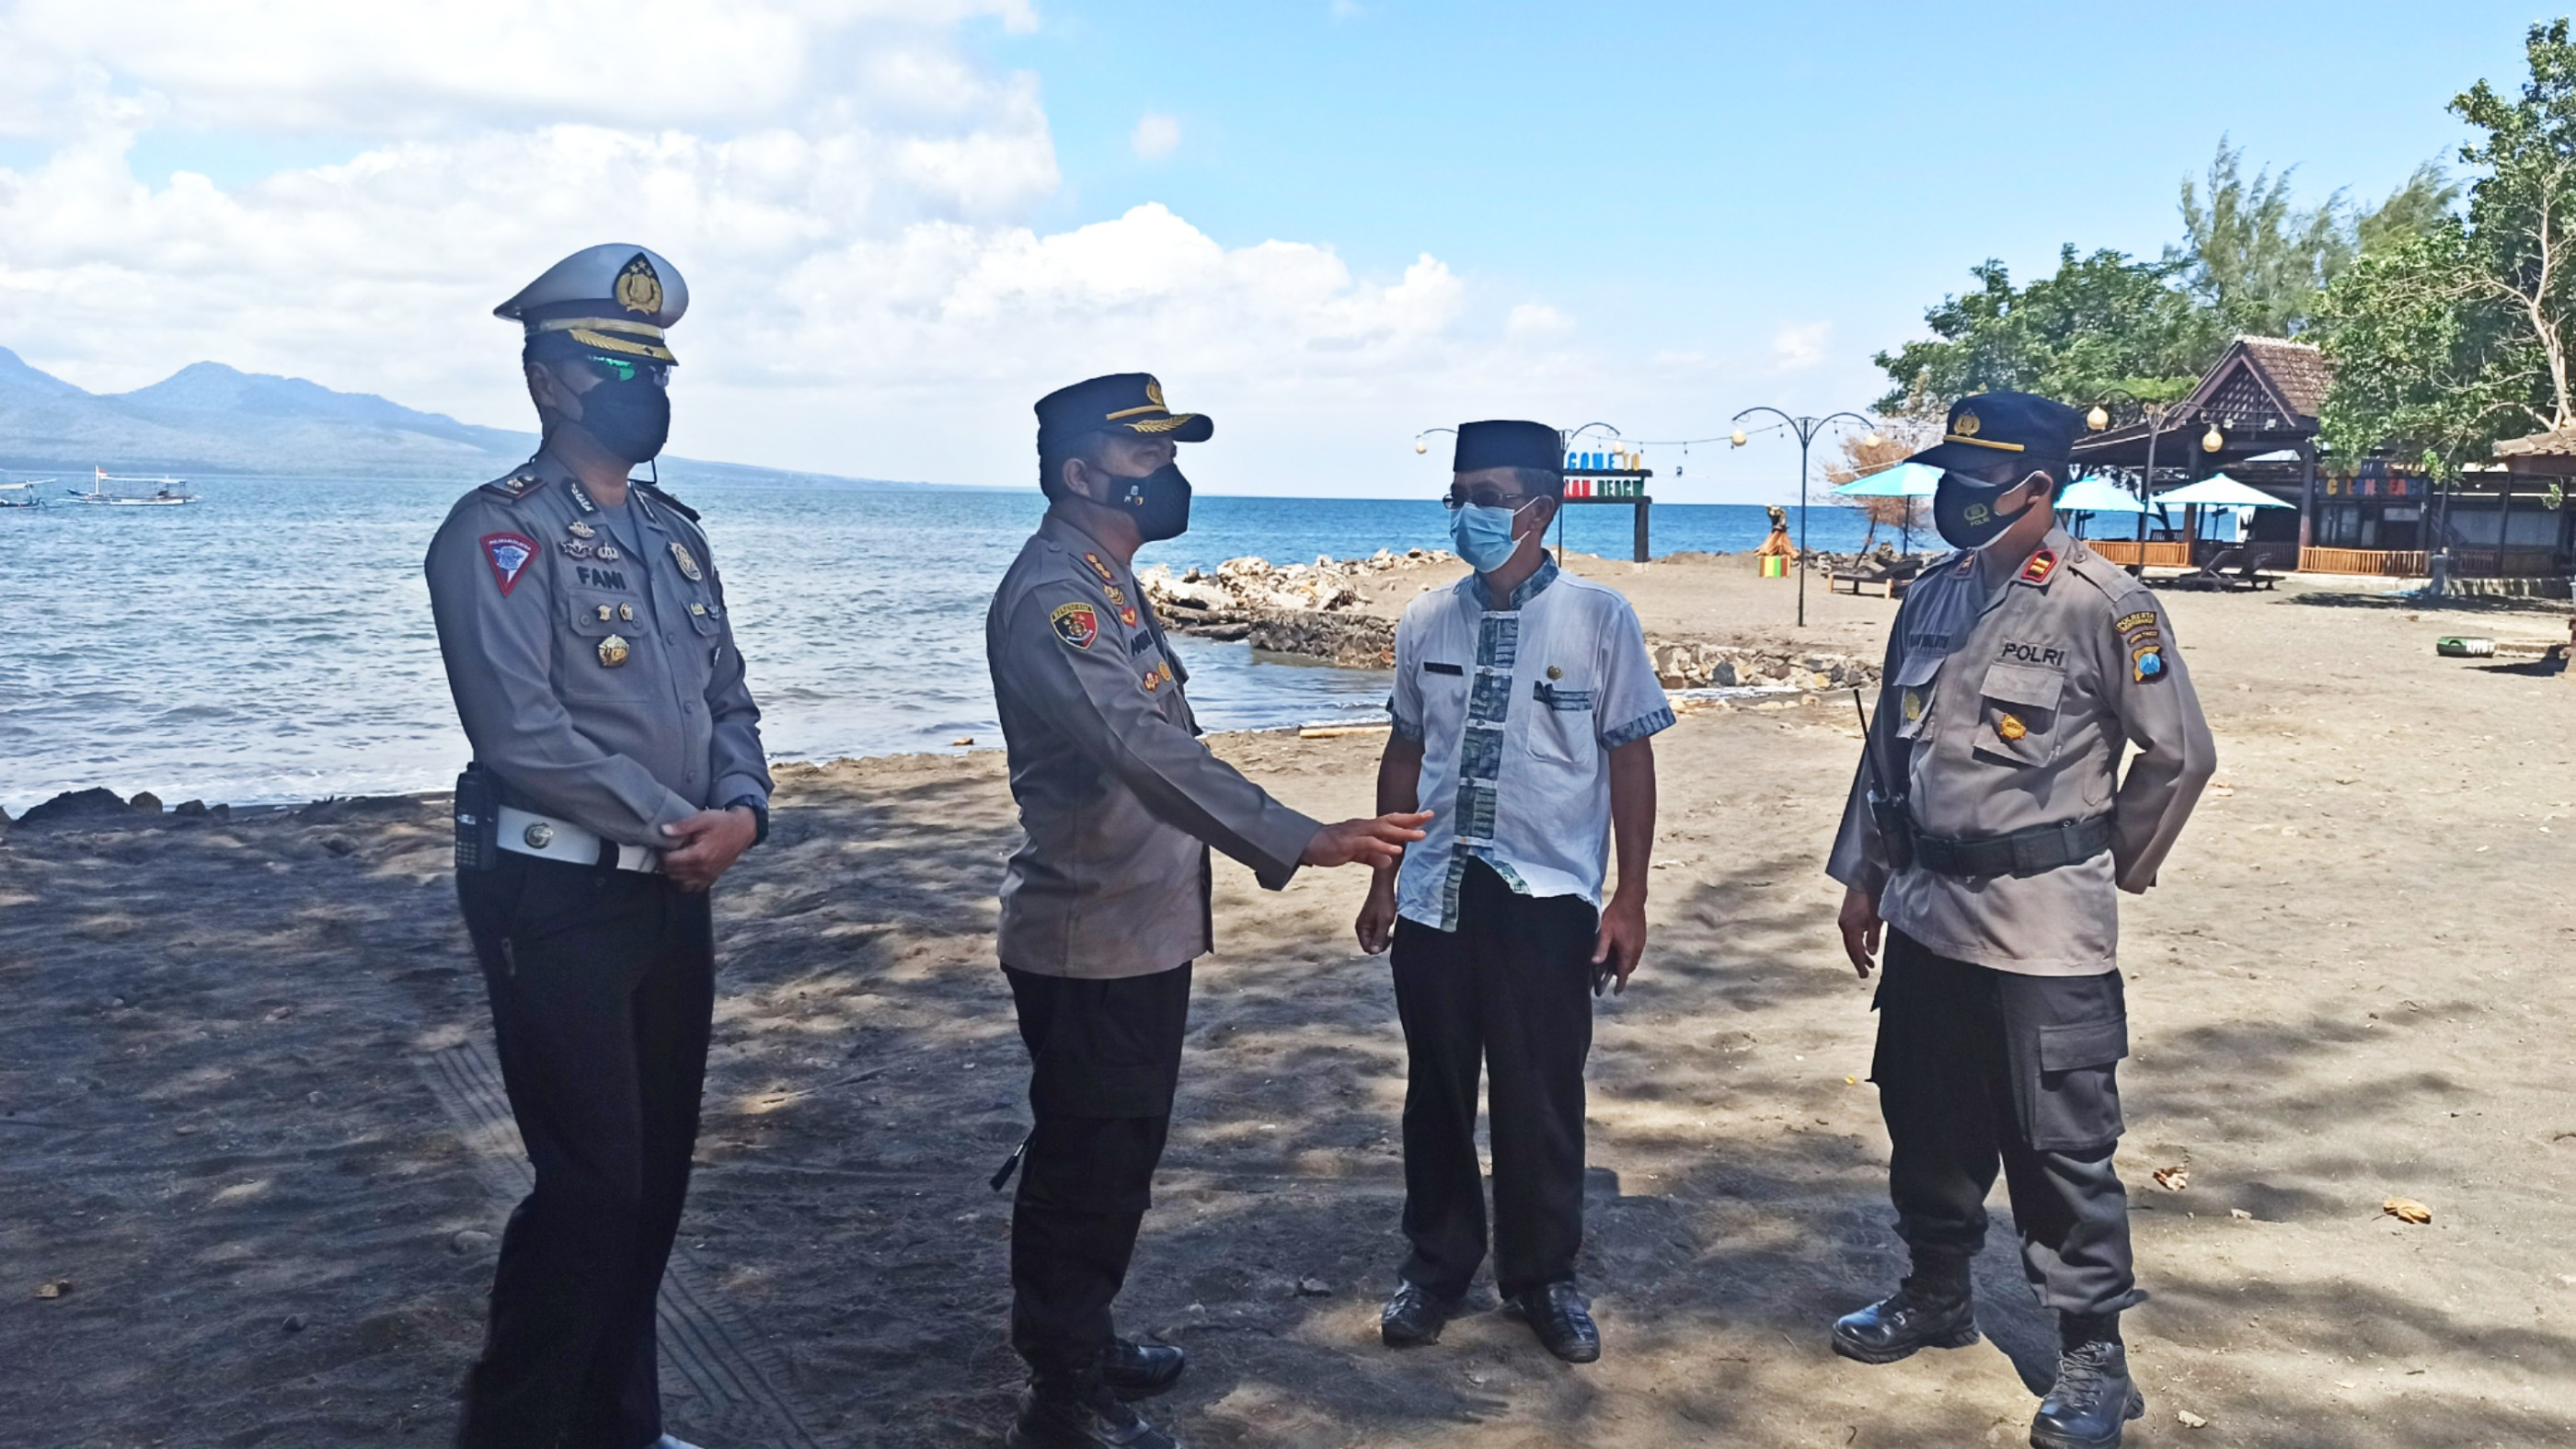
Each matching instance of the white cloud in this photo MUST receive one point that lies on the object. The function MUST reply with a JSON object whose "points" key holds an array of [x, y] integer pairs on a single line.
{"points": [[1536, 320], [1798, 346], [847, 190], [1156, 136]]}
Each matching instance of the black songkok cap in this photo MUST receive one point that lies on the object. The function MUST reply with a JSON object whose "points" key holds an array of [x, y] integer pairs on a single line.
{"points": [[1508, 445]]}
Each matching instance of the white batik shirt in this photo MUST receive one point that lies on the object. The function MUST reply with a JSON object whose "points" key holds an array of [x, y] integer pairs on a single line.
{"points": [[1517, 710]]}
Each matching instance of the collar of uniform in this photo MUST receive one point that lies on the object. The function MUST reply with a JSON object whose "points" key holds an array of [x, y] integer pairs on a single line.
{"points": [[1473, 586], [1064, 533]]}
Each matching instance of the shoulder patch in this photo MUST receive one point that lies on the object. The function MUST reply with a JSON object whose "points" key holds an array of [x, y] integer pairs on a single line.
{"points": [[517, 486], [655, 493], [2136, 620], [508, 554], [2147, 662], [1076, 624]]}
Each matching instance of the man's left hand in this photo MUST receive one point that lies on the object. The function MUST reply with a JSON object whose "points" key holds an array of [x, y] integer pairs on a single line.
{"points": [[1619, 943], [708, 843]]}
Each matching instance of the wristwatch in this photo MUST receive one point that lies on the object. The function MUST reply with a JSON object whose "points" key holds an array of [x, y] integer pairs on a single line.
{"points": [[759, 809]]}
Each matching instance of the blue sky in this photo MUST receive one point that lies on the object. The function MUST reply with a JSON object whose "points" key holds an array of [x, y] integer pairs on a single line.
{"points": [[1329, 223]]}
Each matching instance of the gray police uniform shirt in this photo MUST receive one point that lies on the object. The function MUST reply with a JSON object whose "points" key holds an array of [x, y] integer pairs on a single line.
{"points": [[593, 666], [1118, 799], [2005, 708]]}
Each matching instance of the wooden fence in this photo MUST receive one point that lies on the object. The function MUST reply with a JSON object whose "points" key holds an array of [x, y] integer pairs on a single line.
{"points": [[2389, 563], [2467, 562], [2154, 553]]}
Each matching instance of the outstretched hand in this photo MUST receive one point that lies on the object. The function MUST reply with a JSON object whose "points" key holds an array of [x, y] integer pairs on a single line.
{"points": [[1378, 842]]}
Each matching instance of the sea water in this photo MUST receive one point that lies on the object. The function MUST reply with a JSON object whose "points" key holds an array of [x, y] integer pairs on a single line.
{"points": [[273, 642]]}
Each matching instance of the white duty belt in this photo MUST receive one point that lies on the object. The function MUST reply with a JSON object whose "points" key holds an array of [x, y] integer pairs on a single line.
{"points": [[547, 838]]}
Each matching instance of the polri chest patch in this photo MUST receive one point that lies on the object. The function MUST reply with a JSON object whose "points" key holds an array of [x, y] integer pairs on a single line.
{"points": [[1076, 624]]}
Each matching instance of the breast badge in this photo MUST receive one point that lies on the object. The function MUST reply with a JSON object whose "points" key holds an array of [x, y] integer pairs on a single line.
{"points": [[1913, 706], [579, 529], [1075, 624], [687, 561], [2011, 727], [608, 553], [626, 613], [1153, 680], [612, 651], [603, 613], [1127, 616], [575, 548]]}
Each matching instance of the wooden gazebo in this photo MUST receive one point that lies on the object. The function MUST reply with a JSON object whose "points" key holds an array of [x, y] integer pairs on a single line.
{"points": [[2253, 417]]}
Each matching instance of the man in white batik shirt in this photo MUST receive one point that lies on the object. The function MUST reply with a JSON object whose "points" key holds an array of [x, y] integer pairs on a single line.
{"points": [[1524, 708]]}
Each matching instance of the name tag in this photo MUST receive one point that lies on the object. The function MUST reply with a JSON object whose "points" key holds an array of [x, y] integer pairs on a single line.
{"points": [[1430, 668]]}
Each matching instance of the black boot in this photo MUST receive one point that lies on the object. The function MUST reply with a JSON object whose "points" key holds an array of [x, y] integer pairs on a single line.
{"points": [[1932, 1308], [1141, 1370], [2094, 1398], [1562, 1321], [1082, 1414]]}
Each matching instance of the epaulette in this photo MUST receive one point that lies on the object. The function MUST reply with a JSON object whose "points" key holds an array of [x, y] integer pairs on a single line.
{"points": [[2115, 582], [657, 495], [518, 485]]}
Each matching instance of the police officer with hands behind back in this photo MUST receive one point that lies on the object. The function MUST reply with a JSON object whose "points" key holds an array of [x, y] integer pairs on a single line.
{"points": [[1986, 833], [617, 774], [1105, 903]]}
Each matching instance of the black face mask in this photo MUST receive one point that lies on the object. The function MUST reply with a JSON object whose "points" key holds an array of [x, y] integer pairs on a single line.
{"points": [[630, 417], [1963, 510], [1161, 500]]}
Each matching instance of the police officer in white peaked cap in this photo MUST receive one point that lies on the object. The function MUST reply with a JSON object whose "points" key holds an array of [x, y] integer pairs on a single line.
{"points": [[617, 774]]}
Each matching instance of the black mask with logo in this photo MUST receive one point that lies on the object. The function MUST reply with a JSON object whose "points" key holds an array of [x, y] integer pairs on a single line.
{"points": [[1160, 501], [1963, 509], [630, 417]]}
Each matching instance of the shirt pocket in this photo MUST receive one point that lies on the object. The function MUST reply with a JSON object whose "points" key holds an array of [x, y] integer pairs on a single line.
{"points": [[2019, 722], [1563, 727], [603, 638], [1913, 699], [1444, 699]]}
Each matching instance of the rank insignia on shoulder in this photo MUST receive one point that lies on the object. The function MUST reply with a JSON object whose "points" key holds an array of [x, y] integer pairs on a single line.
{"points": [[508, 554], [687, 561], [2041, 565], [1076, 624], [1100, 568], [517, 485], [2147, 664]]}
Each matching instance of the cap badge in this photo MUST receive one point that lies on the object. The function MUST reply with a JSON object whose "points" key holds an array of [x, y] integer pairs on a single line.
{"points": [[612, 651], [2011, 727], [1967, 425], [639, 288], [1153, 392], [687, 561]]}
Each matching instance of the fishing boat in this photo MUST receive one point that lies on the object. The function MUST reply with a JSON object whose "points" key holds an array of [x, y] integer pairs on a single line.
{"points": [[22, 495], [166, 492]]}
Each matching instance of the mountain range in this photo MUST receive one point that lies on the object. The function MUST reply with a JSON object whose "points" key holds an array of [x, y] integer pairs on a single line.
{"points": [[209, 418]]}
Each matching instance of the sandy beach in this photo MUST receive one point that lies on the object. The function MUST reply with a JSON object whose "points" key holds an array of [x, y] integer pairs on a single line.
{"points": [[253, 1179]]}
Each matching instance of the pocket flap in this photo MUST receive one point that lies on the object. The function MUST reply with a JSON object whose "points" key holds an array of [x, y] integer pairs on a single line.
{"points": [[2024, 684], [1920, 666], [583, 610], [2083, 1044]]}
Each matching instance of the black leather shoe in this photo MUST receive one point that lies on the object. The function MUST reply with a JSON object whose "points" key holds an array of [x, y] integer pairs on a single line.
{"points": [[1414, 1317], [1925, 1311], [2092, 1402], [1095, 1420], [1562, 1320], [1141, 1370]]}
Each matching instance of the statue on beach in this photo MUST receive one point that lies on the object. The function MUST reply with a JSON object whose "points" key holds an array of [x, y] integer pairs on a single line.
{"points": [[618, 773], [1777, 545]]}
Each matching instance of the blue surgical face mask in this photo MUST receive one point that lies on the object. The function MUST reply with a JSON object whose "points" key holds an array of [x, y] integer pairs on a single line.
{"points": [[1483, 536]]}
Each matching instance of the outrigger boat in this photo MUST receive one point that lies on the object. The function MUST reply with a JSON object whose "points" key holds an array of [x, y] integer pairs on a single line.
{"points": [[165, 492], [22, 495]]}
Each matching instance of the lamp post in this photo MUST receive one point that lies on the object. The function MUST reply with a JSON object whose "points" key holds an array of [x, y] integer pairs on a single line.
{"points": [[1806, 428], [2156, 416]]}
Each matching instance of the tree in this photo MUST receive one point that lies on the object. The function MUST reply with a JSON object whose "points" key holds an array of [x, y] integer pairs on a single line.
{"points": [[2447, 341], [2102, 321], [2262, 264]]}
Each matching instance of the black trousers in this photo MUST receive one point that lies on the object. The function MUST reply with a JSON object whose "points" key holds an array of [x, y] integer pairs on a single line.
{"points": [[603, 989], [1978, 1068], [1509, 991], [1104, 1061]]}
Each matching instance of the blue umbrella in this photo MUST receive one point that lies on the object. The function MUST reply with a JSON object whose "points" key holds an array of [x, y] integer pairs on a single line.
{"points": [[2097, 495], [1905, 480]]}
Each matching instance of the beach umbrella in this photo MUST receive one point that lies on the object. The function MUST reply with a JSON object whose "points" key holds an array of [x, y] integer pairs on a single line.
{"points": [[2097, 495], [1905, 480], [2219, 491]]}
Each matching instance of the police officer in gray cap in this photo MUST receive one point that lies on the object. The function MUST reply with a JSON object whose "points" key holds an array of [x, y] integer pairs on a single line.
{"points": [[1105, 903], [1989, 830], [617, 774]]}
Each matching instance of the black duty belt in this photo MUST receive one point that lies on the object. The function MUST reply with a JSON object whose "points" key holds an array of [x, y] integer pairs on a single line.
{"points": [[2035, 851]]}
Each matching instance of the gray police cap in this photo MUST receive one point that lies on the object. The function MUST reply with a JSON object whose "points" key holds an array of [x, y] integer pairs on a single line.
{"points": [[615, 297]]}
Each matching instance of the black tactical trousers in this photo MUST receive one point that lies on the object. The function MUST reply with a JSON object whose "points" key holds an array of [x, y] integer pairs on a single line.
{"points": [[1509, 992], [603, 989], [1977, 1067], [1104, 1060]]}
